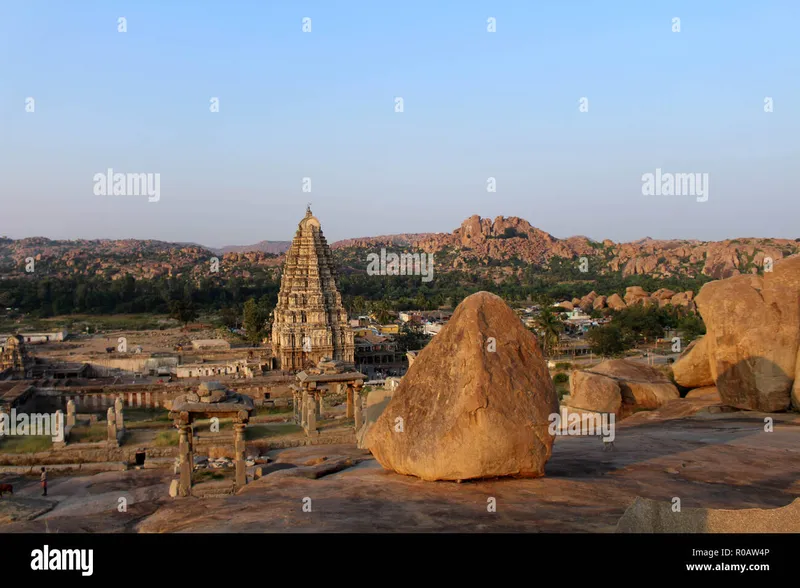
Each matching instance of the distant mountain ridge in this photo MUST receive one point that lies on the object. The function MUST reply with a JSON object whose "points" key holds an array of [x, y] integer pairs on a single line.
{"points": [[496, 248], [273, 247]]}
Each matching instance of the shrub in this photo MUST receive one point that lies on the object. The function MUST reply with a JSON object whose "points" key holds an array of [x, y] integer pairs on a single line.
{"points": [[561, 378]]}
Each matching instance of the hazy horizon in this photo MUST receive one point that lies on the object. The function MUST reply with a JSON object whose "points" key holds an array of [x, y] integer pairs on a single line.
{"points": [[321, 105]]}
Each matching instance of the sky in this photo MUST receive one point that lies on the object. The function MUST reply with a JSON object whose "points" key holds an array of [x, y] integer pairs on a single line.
{"points": [[322, 104]]}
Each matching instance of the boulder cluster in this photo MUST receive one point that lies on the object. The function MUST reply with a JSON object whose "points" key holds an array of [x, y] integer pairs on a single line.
{"points": [[210, 393], [634, 295], [750, 350], [621, 387]]}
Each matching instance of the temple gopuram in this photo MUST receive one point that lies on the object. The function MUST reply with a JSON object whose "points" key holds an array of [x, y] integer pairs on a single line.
{"points": [[310, 322]]}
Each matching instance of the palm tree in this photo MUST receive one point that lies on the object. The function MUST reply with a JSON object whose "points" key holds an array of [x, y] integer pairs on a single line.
{"points": [[382, 311], [549, 328]]}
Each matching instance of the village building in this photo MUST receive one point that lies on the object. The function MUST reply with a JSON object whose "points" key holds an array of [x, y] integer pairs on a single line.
{"points": [[309, 321], [33, 338], [377, 356], [239, 368]]}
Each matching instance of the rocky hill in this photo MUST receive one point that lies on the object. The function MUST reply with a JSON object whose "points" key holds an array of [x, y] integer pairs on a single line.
{"points": [[490, 248], [273, 247], [513, 242], [114, 259]]}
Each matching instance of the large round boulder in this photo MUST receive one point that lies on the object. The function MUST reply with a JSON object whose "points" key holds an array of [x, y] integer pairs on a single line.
{"points": [[475, 404]]}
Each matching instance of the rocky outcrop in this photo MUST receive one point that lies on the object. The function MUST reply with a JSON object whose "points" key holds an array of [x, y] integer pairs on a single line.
{"points": [[753, 337], [467, 409], [652, 516], [693, 368], [620, 386]]}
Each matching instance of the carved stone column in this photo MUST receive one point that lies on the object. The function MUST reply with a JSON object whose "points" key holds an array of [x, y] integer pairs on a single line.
{"points": [[70, 413], [186, 461], [311, 417], [118, 408], [112, 426], [349, 401], [239, 454]]}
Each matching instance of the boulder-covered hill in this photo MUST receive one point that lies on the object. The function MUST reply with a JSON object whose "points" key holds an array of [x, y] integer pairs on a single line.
{"points": [[503, 246], [514, 242], [117, 258]]}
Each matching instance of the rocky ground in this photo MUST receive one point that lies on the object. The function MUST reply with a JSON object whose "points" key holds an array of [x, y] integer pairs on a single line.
{"points": [[707, 459]]}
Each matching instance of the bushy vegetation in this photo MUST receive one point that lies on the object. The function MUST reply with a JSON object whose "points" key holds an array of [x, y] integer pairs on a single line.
{"points": [[639, 324], [184, 297]]}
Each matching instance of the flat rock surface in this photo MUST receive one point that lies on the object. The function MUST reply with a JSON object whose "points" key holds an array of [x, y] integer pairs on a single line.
{"points": [[709, 460]]}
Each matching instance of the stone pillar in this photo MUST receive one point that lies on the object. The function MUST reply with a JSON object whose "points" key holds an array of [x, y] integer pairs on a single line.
{"points": [[239, 451], [186, 461], [112, 425], [70, 413], [4, 416], [349, 401], [318, 404], [304, 409], [311, 417], [119, 412], [358, 413]]}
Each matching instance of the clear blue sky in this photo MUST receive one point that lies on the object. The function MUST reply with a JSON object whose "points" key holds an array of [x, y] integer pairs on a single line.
{"points": [[321, 105]]}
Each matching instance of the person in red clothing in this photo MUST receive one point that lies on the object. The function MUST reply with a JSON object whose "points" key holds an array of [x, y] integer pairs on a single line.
{"points": [[44, 482]]}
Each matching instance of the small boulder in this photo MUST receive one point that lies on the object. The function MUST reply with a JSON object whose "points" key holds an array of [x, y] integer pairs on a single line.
{"points": [[693, 368], [615, 302], [594, 392]]}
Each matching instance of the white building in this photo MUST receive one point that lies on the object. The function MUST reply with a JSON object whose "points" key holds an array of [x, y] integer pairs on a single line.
{"points": [[37, 337]]}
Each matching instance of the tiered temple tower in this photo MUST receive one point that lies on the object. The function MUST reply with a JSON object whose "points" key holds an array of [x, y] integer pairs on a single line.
{"points": [[14, 355], [310, 322]]}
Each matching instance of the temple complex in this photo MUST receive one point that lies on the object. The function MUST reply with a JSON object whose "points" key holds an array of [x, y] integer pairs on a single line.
{"points": [[313, 384], [310, 322], [212, 400]]}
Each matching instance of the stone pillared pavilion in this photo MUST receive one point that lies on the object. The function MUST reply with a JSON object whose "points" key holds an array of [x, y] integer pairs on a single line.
{"points": [[310, 322]]}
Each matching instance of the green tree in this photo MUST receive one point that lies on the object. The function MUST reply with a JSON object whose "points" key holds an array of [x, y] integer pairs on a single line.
{"points": [[231, 318], [253, 321], [382, 311], [183, 311], [549, 327], [607, 341]]}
